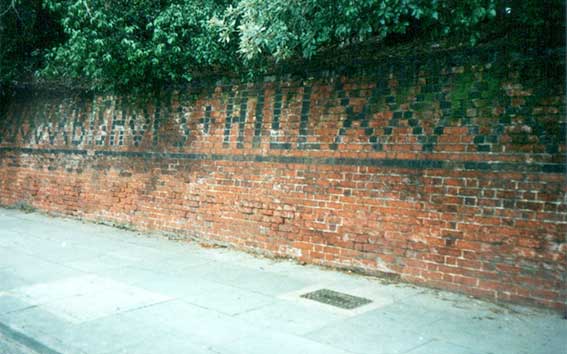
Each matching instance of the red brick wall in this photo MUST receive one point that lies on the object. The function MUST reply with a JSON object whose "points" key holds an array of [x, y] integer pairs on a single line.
{"points": [[445, 170]]}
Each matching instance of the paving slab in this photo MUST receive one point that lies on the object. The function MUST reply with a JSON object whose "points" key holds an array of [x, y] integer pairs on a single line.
{"points": [[292, 318], [78, 288], [440, 347], [169, 343], [10, 279], [227, 299], [279, 343]]}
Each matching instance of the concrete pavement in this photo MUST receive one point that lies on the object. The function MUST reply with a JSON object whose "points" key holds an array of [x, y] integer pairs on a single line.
{"points": [[73, 288]]}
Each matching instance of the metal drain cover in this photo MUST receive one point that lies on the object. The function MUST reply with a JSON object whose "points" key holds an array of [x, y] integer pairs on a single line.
{"points": [[334, 298]]}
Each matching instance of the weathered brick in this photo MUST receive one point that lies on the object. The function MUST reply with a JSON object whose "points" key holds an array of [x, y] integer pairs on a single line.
{"points": [[443, 194]]}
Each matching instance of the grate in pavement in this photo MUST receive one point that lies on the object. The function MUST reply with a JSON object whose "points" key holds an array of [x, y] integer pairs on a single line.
{"points": [[337, 299]]}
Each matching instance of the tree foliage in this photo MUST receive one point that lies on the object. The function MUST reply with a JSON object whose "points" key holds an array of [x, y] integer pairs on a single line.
{"points": [[283, 29], [124, 43], [289, 28], [128, 44]]}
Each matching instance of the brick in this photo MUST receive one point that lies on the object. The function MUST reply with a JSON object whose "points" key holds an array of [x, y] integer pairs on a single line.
{"points": [[438, 192]]}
